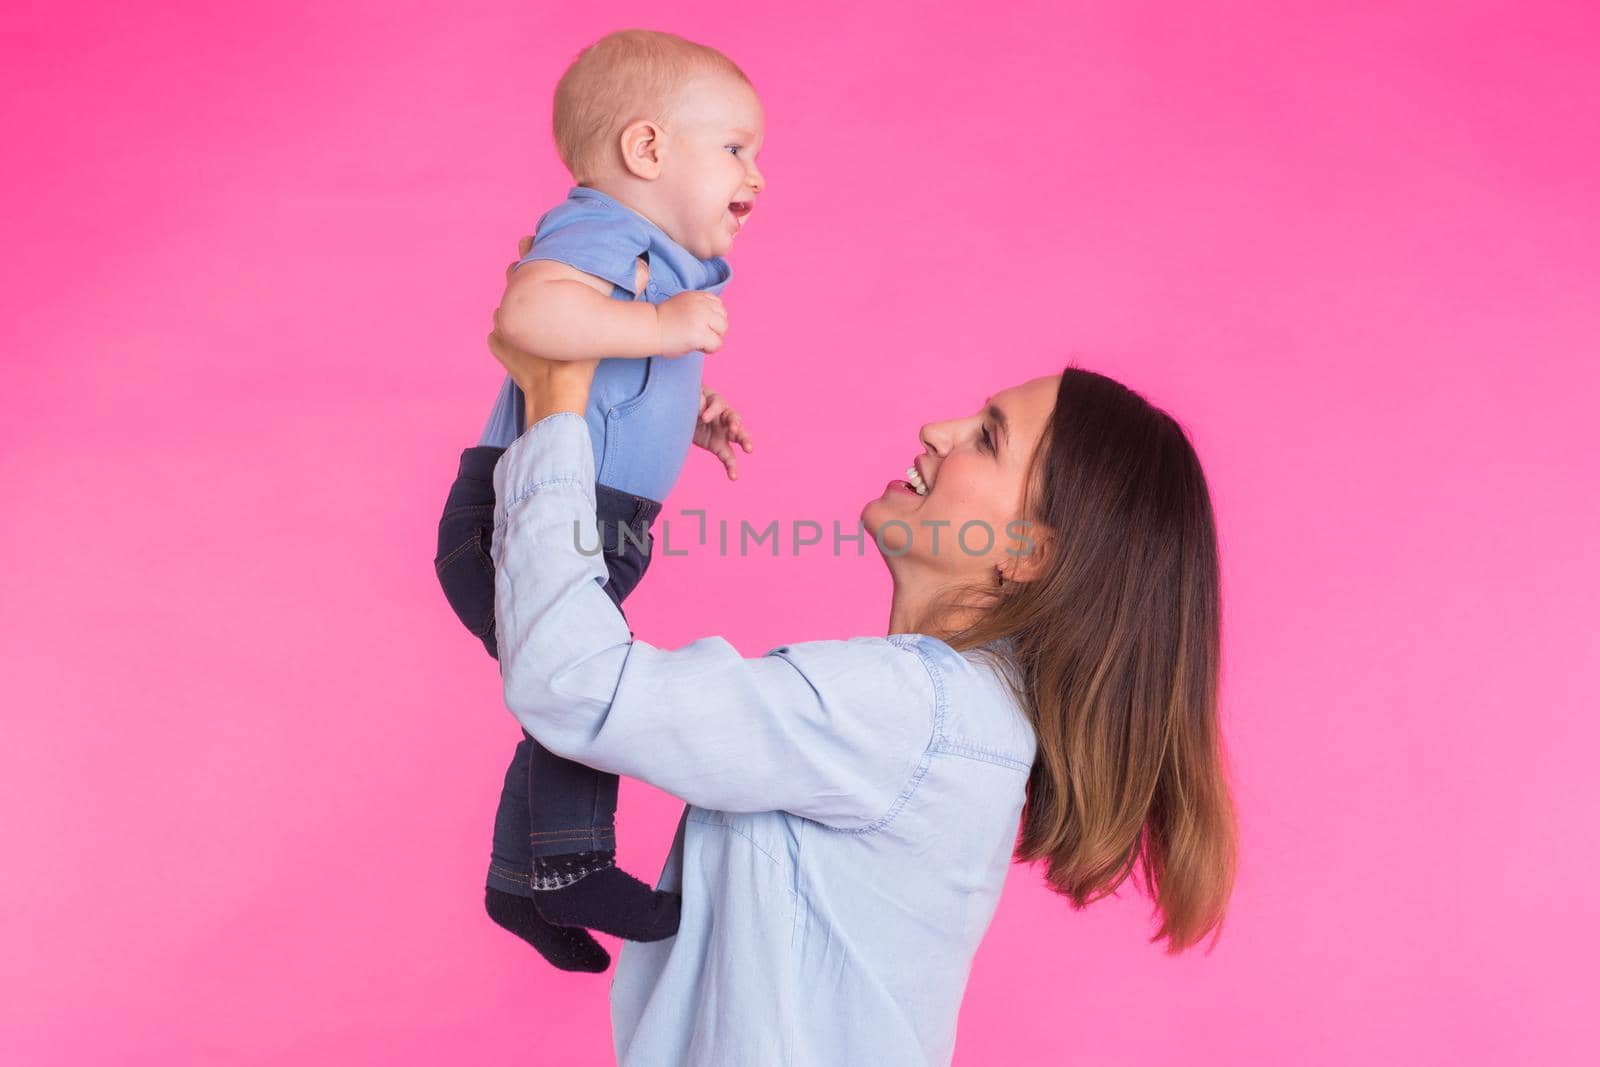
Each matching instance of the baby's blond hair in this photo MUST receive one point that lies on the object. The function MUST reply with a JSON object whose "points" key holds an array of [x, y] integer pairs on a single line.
{"points": [[621, 78]]}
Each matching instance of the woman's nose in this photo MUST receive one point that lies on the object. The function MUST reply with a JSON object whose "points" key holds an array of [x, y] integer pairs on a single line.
{"points": [[941, 437]]}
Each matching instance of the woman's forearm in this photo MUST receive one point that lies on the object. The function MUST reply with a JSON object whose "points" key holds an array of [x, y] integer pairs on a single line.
{"points": [[548, 387], [564, 394]]}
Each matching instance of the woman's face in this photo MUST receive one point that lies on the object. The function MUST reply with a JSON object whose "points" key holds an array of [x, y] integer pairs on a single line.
{"points": [[973, 514]]}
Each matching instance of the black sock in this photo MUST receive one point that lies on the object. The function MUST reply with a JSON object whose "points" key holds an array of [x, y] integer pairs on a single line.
{"points": [[567, 948], [603, 898]]}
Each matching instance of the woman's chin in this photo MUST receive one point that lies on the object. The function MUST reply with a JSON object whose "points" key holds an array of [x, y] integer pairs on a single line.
{"points": [[878, 513], [875, 512]]}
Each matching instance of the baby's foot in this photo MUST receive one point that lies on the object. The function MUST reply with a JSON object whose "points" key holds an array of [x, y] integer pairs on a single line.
{"points": [[605, 898], [566, 948]]}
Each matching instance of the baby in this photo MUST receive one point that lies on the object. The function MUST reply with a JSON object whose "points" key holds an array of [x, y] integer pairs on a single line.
{"points": [[661, 137]]}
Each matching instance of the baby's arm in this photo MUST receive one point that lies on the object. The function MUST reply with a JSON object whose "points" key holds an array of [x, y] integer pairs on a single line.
{"points": [[559, 312]]}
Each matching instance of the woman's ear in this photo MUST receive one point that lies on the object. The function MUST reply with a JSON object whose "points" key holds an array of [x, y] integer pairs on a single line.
{"points": [[642, 145], [1027, 552]]}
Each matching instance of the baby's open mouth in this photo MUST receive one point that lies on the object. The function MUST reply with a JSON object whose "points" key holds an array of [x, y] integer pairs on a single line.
{"points": [[740, 208]]}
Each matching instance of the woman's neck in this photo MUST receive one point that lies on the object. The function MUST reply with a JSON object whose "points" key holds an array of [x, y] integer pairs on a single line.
{"points": [[920, 607]]}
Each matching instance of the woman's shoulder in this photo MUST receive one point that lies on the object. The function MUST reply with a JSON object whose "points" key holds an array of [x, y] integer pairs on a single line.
{"points": [[984, 714], [969, 698], [875, 668]]}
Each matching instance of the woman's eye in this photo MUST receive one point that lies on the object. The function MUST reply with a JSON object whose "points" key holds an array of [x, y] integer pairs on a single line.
{"points": [[988, 443]]}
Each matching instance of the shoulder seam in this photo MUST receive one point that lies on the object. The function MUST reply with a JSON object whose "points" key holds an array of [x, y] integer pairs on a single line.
{"points": [[936, 677]]}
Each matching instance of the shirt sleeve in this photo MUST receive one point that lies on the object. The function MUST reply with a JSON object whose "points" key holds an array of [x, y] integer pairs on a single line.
{"points": [[505, 418], [605, 244], [831, 730]]}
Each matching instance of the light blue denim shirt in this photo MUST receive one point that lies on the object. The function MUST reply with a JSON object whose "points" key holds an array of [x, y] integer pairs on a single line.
{"points": [[641, 411], [853, 804]]}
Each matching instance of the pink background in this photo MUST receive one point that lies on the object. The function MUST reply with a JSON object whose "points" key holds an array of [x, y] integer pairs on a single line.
{"points": [[247, 259]]}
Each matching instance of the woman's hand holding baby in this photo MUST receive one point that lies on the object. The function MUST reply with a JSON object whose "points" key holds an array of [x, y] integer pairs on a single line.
{"points": [[691, 322], [548, 385]]}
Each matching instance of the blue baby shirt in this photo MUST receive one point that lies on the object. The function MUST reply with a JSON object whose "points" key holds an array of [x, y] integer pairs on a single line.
{"points": [[642, 412]]}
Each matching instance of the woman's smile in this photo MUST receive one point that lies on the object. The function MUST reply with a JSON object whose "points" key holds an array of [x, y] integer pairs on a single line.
{"points": [[899, 485], [914, 482]]}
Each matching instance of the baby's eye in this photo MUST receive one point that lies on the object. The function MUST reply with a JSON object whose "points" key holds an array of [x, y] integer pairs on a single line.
{"points": [[734, 148]]}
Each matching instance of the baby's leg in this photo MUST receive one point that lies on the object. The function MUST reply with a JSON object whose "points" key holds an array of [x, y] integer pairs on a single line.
{"points": [[462, 563], [572, 808], [576, 881], [466, 575], [508, 898]]}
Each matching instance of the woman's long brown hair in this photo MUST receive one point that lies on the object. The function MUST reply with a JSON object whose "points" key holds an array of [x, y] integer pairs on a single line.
{"points": [[1115, 648]]}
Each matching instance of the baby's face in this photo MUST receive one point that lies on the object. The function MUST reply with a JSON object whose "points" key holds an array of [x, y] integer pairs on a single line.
{"points": [[709, 180]]}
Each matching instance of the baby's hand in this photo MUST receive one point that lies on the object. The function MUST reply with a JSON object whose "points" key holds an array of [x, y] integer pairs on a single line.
{"points": [[691, 322], [717, 430]]}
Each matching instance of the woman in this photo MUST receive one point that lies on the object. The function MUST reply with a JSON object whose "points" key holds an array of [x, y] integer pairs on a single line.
{"points": [[853, 805]]}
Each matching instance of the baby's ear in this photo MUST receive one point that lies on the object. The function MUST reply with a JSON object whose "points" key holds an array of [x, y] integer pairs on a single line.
{"points": [[641, 145]]}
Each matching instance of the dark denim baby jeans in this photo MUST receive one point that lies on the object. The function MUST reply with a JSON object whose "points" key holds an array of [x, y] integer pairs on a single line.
{"points": [[549, 806]]}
